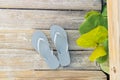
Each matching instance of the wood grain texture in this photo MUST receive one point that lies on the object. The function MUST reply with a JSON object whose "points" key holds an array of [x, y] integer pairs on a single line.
{"points": [[50, 78], [114, 38], [18, 59], [53, 75], [52, 4], [20, 18], [21, 39], [41, 19]]}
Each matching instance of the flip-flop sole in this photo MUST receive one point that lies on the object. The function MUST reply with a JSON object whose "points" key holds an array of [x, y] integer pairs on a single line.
{"points": [[61, 44], [43, 49]]}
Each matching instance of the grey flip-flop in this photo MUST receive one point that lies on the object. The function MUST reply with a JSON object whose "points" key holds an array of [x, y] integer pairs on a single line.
{"points": [[59, 37], [41, 45]]}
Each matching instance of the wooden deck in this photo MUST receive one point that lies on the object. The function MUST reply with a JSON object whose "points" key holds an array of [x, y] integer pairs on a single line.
{"points": [[20, 18]]}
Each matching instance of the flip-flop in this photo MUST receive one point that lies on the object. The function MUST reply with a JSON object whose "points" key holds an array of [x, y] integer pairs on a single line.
{"points": [[59, 37], [41, 45]]}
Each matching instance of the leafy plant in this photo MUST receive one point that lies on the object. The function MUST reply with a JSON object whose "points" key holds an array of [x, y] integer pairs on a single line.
{"points": [[94, 39], [92, 20], [94, 34]]}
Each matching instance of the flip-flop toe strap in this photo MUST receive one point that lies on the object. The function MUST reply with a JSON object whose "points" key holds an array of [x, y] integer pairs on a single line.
{"points": [[38, 43], [55, 38]]}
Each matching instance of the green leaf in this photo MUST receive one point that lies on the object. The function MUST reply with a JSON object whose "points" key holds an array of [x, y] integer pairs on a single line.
{"points": [[105, 44], [98, 52], [105, 66], [104, 12], [91, 13], [93, 38], [102, 59], [93, 19]]}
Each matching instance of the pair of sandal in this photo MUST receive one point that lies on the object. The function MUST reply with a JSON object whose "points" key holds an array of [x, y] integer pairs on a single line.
{"points": [[41, 45]]}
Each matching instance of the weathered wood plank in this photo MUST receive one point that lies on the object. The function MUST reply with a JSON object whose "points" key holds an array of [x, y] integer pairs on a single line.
{"points": [[52, 4], [41, 19], [114, 38], [16, 60], [21, 39], [53, 75], [49, 79]]}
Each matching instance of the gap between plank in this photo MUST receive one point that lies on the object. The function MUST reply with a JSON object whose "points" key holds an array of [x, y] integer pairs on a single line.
{"points": [[45, 9]]}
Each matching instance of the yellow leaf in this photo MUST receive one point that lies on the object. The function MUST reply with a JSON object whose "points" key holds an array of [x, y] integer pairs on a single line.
{"points": [[83, 42], [93, 38], [98, 52]]}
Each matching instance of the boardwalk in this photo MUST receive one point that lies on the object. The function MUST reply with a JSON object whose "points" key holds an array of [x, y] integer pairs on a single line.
{"points": [[20, 18]]}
